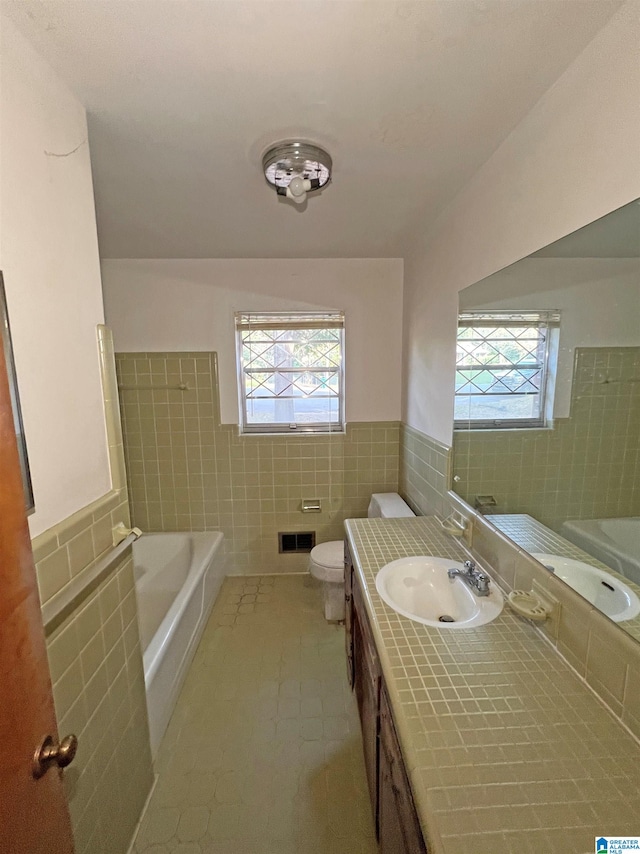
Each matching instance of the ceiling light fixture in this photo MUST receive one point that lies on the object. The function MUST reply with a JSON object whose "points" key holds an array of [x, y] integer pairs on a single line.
{"points": [[296, 168]]}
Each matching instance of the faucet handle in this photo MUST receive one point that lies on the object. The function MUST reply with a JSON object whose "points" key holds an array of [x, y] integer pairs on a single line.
{"points": [[482, 583], [470, 565]]}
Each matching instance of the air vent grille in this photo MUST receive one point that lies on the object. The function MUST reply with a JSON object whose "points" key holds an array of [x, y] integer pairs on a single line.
{"points": [[299, 542]]}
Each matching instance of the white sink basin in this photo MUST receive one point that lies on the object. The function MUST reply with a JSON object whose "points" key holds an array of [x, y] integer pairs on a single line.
{"points": [[419, 588], [603, 590]]}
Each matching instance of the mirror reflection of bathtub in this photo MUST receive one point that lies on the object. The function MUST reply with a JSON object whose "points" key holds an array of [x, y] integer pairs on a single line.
{"points": [[615, 542], [577, 470]]}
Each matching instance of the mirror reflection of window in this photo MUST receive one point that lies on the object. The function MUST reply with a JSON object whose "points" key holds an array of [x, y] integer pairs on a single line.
{"points": [[503, 364]]}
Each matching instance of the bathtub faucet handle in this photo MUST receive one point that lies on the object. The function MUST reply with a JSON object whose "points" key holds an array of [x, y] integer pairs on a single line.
{"points": [[121, 532]]}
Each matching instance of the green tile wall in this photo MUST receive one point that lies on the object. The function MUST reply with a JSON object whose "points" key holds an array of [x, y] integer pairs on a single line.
{"points": [[98, 688], [186, 471], [95, 657], [424, 472], [587, 466]]}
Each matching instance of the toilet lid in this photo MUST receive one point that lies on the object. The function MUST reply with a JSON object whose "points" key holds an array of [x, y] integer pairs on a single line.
{"points": [[329, 554]]}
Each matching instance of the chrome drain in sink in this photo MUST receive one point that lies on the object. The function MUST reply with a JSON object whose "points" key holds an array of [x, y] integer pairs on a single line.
{"points": [[445, 618]]}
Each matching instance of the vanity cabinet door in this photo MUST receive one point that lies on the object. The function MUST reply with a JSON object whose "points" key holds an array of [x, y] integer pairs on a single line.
{"points": [[348, 611], [396, 820], [367, 688], [390, 835], [398, 824]]}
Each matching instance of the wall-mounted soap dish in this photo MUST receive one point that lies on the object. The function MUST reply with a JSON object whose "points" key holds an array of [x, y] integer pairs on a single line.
{"points": [[529, 605], [455, 524]]}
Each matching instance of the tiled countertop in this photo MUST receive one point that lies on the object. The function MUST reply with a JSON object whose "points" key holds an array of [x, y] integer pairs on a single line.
{"points": [[533, 536], [508, 751]]}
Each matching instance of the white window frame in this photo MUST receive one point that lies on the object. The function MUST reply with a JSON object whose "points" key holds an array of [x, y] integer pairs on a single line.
{"points": [[246, 321], [549, 321]]}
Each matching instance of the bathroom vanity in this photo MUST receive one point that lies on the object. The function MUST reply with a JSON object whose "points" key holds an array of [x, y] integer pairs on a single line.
{"points": [[480, 739], [396, 820]]}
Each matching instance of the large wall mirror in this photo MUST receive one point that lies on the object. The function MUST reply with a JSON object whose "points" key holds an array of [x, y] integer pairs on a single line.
{"points": [[547, 438]]}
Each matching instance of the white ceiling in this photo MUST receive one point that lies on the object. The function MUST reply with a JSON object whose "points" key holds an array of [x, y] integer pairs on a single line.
{"points": [[409, 98]]}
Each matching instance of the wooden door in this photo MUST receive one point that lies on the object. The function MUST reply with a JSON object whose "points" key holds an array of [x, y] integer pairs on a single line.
{"points": [[34, 818]]}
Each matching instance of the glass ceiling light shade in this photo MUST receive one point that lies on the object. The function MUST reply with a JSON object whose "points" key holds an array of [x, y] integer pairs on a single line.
{"points": [[296, 168]]}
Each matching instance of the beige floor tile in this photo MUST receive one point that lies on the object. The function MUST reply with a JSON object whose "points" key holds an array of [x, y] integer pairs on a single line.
{"points": [[263, 753], [159, 826]]}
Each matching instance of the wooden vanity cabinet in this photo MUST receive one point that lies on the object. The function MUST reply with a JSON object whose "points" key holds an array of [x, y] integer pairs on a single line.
{"points": [[348, 611], [363, 671], [397, 824], [363, 674], [399, 829], [366, 684]]}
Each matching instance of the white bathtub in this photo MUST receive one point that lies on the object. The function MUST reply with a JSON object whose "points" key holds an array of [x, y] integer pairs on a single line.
{"points": [[177, 578], [616, 542]]}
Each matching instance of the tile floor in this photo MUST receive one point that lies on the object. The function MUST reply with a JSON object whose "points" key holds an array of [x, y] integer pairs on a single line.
{"points": [[263, 754]]}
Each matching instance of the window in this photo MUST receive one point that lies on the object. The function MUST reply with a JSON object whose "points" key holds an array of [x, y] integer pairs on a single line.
{"points": [[290, 370], [503, 363]]}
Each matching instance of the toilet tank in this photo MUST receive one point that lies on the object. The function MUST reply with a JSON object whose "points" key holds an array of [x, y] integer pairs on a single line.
{"points": [[388, 505]]}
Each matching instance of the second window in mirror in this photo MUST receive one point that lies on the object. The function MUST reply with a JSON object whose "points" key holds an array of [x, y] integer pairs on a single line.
{"points": [[505, 369]]}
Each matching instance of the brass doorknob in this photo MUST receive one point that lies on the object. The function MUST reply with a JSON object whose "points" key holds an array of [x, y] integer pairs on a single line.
{"points": [[49, 753]]}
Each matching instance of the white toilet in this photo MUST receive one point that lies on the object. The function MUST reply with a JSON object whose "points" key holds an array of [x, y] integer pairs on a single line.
{"points": [[326, 561]]}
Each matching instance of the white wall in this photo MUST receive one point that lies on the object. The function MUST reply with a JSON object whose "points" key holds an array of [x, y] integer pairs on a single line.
{"points": [[573, 159], [170, 305], [599, 301], [49, 256]]}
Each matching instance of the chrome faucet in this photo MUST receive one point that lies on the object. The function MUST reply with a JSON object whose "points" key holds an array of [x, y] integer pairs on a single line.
{"points": [[475, 578]]}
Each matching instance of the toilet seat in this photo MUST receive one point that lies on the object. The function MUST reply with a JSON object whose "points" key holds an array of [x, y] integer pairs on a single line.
{"points": [[327, 561]]}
